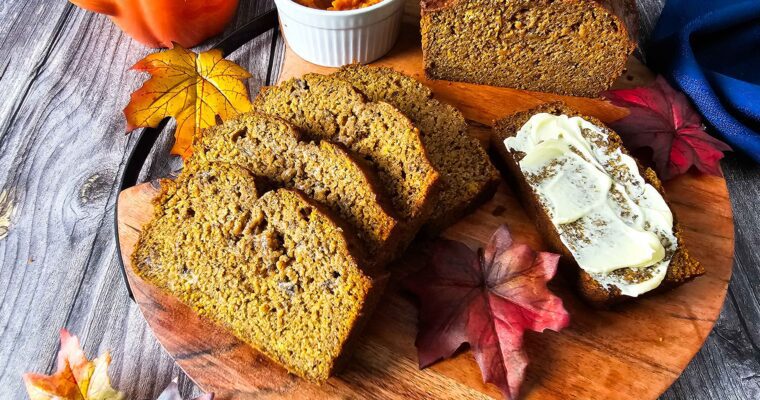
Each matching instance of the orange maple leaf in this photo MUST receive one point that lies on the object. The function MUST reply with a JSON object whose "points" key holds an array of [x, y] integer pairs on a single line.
{"points": [[77, 378], [192, 88]]}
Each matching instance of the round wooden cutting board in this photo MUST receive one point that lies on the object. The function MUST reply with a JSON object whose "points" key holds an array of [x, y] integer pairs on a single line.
{"points": [[633, 352]]}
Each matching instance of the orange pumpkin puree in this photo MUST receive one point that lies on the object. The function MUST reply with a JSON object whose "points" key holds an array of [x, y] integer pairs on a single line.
{"points": [[337, 5]]}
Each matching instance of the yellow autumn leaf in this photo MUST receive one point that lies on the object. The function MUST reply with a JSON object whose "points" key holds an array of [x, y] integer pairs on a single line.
{"points": [[77, 378], [192, 88]]}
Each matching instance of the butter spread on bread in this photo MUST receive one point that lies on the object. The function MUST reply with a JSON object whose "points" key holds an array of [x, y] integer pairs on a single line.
{"points": [[617, 227]]}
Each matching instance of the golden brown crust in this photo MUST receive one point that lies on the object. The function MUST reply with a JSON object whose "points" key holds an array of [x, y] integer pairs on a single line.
{"points": [[434, 5], [627, 13], [375, 294], [682, 267], [625, 10]]}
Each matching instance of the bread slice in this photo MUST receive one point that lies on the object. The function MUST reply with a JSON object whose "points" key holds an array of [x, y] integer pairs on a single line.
{"points": [[329, 108], [682, 267], [468, 178], [571, 47], [278, 271], [271, 148]]}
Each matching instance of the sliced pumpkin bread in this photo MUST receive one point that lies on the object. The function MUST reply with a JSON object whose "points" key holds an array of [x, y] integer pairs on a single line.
{"points": [[592, 202], [329, 108], [467, 176], [271, 148], [278, 271]]}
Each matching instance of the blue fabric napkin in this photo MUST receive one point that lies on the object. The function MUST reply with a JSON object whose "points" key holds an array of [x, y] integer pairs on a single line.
{"points": [[710, 49]]}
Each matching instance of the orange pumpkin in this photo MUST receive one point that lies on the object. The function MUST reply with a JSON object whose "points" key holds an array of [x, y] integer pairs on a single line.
{"points": [[158, 23]]}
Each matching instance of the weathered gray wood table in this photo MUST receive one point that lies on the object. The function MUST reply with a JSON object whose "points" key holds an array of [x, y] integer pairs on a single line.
{"points": [[64, 80]]}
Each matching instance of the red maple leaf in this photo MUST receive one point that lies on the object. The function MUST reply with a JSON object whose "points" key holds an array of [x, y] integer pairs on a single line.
{"points": [[663, 120], [487, 299]]}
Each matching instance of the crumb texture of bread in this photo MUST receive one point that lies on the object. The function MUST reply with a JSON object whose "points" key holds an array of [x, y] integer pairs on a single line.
{"points": [[273, 149], [570, 47], [467, 176], [328, 108], [682, 268], [277, 270]]}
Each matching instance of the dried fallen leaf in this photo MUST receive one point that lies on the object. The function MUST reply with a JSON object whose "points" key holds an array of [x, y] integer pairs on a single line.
{"points": [[663, 119], [77, 378], [192, 88], [487, 299], [172, 393]]}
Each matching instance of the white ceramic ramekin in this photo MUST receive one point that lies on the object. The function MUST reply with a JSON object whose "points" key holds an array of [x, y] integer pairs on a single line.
{"points": [[336, 38]]}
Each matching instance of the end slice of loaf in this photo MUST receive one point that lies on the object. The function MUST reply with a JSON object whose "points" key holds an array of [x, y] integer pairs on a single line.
{"points": [[682, 267], [572, 47], [468, 178], [329, 108], [278, 270], [273, 149]]}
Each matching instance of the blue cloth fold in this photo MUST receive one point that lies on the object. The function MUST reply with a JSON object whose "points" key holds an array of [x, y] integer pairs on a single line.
{"points": [[710, 49]]}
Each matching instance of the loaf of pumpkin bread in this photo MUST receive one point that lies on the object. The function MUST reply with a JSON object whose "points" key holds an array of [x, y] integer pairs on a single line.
{"points": [[467, 176], [328, 108], [273, 149], [571, 47], [593, 203], [278, 270]]}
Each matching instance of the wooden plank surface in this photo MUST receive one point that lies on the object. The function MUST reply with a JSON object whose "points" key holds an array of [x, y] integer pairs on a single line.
{"points": [[61, 152], [64, 81]]}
